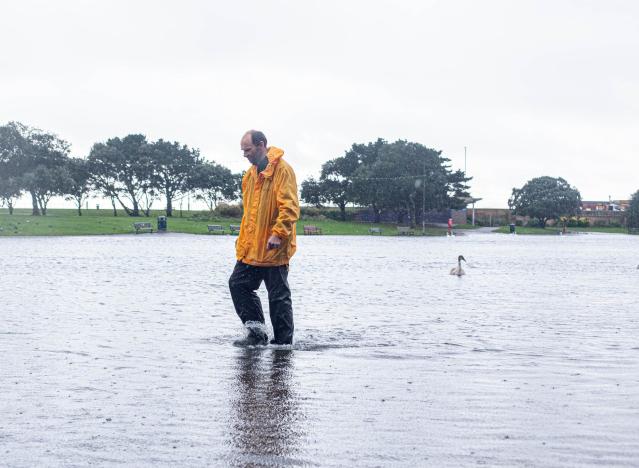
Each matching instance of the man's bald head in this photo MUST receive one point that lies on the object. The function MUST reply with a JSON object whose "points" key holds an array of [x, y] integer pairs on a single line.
{"points": [[257, 137], [253, 145]]}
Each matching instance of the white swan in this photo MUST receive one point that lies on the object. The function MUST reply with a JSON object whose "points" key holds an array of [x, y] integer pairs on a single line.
{"points": [[458, 271]]}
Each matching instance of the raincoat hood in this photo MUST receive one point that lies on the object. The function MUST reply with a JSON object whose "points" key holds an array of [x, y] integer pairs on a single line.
{"points": [[274, 155]]}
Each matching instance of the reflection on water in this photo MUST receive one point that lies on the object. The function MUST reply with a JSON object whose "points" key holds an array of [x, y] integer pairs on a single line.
{"points": [[265, 426]]}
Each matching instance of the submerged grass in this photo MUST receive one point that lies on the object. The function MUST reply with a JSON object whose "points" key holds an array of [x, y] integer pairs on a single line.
{"points": [[66, 222]]}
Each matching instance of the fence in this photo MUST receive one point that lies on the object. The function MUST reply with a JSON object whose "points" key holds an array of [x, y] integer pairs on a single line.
{"points": [[431, 217]]}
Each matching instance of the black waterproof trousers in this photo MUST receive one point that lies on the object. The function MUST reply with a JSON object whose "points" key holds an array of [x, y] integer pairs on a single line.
{"points": [[243, 283]]}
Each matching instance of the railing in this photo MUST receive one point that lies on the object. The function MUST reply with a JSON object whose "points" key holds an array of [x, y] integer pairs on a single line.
{"points": [[602, 214]]}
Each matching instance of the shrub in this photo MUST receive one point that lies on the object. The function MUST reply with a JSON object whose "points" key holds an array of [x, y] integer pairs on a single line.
{"points": [[533, 222], [310, 212], [337, 215], [225, 210]]}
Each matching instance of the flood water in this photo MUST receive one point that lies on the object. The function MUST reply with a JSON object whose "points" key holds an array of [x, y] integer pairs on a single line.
{"points": [[117, 351]]}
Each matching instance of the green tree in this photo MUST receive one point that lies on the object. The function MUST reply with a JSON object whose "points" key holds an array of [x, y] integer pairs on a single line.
{"points": [[173, 164], [78, 182], [312, 192], [325, 191], [403, 177], [633, 215], [103, 181], [335, 185], [10, 190], [213, 183], [45, 183], [122, 170], [408, 179], [545, 198], [36, 159]]}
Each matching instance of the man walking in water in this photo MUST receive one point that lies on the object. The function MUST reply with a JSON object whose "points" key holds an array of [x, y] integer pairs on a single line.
{"points": [[266, 242]]}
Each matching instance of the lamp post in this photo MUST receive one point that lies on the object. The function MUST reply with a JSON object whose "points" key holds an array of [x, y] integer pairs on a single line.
{"points": [[424, 199]]}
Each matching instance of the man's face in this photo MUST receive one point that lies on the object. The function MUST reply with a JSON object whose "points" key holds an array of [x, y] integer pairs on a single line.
{"points": [[251, 152]]}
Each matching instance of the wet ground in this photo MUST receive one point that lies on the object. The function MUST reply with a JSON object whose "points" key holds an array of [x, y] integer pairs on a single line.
{"points": [[117, 351]]}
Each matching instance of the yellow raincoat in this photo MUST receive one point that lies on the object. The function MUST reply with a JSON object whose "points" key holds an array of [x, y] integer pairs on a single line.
{"points": [[270, 207]]}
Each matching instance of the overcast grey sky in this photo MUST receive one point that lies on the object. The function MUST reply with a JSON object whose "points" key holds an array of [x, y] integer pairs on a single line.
{"points": [[531, 88]]}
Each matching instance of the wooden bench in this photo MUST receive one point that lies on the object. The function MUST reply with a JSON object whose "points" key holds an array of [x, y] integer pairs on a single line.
{"points": [[633, 230], [312, 230], [405, 231], [375, 230], [142, 227], [215, 228], [234, 228]]}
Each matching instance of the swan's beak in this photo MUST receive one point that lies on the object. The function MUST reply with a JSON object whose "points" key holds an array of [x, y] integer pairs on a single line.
{"points": [[461, 257]]}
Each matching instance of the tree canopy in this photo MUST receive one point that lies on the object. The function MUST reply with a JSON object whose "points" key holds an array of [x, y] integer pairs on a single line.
{"points": [[35, 160], [402, 177], [121, 169], [173, 166], [545, 198], [131, 171], [213, 183], [633, 215], [77, 185]]}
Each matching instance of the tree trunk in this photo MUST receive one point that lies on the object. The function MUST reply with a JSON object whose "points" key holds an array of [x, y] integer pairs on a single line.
{"points": [[169, 206], [10, 205], [80, 207], [376, 214], [34, 203], [115, 211], [136, 209], [43, 205], [342, 210], [126, 209], [412, 212]]}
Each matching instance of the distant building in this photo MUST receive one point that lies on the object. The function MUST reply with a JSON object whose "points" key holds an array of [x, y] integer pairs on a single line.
{"points": [[598, 213], [605, 213], [610, 205], [494, 216]]}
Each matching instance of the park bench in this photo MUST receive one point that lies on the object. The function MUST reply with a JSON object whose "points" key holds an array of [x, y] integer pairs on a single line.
{"points": [[633, 230], [142, 227], [215, 228], [375, 230], [405, 231], [234, 228], [312, 230]]}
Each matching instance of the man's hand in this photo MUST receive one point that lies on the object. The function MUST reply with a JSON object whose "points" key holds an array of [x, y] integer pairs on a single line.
{"points": [[273, 242]]}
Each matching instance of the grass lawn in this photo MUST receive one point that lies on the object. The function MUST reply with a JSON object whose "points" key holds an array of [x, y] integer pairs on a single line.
{"points": [[555, 230], [66, 222]]}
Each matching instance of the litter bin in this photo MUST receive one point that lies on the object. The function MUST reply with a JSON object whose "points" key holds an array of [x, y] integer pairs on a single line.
{"points": [[512, 228], [161, 223]]}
